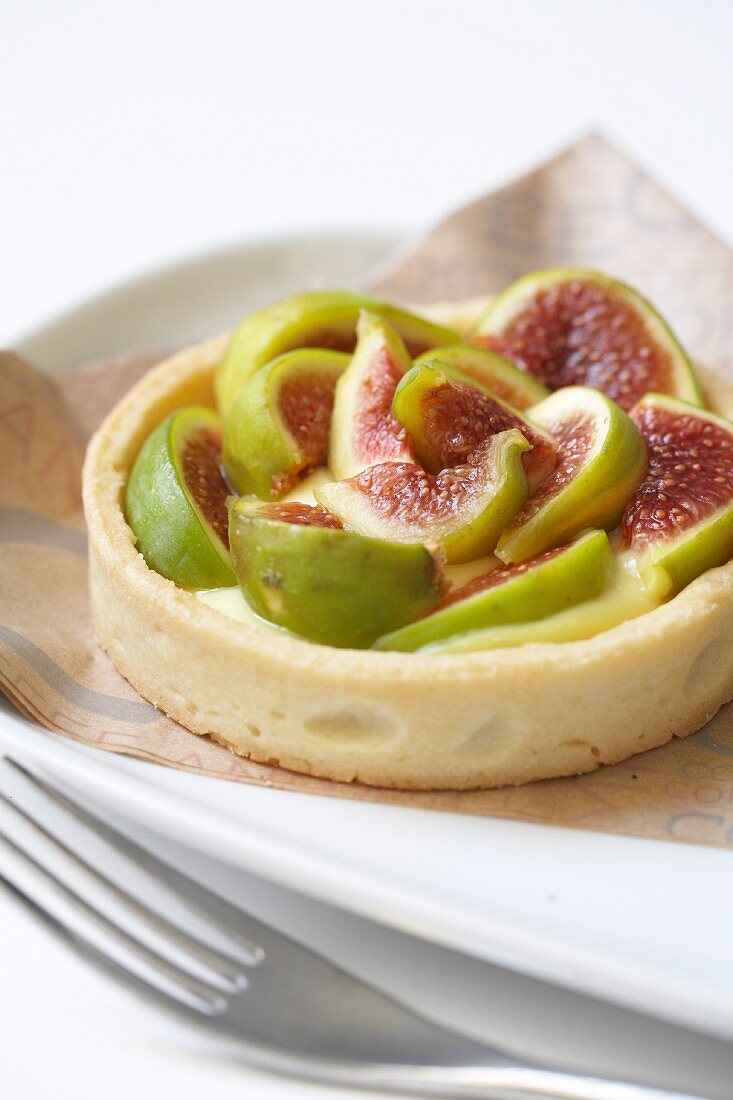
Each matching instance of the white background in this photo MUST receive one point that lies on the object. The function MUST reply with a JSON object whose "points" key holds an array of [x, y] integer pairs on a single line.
{"points": [[131, 133]]}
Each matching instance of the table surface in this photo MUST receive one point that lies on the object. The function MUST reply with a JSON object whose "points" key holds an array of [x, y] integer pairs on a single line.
{"points": [[135, 133]]}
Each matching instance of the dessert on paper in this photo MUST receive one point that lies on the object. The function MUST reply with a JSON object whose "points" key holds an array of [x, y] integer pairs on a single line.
{"points": [[559, 800]]}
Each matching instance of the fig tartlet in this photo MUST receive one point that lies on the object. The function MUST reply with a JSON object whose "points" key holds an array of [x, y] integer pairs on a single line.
{"points": [[517, 567]]}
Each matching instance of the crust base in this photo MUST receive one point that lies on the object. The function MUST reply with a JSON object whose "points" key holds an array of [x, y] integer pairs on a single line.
{"points": [[388, 719]]}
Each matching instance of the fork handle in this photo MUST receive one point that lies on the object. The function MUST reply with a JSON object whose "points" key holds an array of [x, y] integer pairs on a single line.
{"points": [[509, 1081], [571, 1086]]}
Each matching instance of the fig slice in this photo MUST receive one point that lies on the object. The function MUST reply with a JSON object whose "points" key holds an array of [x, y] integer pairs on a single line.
{"points": [[500, 376], [568, 326], [279, 424], [176, 501], [602, 460], [300, 571], [679, 522], [448, 416], [364, 430], [512, 594], [619, 601], [464, 509], [319, 319]]}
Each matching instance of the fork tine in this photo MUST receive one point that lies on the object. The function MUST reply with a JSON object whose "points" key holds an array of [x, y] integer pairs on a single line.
{"points": [[126, 913], [125, 910], [31, 881], [189, 906]]}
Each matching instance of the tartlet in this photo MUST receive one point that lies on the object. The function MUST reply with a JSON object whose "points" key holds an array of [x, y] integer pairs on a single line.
{"points": [[407, 720]]}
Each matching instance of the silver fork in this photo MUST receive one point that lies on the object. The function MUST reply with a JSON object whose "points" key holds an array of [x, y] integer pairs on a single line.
{"points": [[276, 1004]]}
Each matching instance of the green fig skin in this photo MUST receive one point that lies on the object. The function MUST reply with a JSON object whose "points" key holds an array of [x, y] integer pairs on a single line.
{"points": [[261, 455], [426, 378], [666, 571], [596, 494], [364, 431], [577, 573], [620, 601], [508, 305], [668, 565], [497, 374], [327, 585], [324, 318], [173, 534], [463, 532]]}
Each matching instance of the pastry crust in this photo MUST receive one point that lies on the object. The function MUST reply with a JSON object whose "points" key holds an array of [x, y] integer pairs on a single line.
{"points": [[415, 721]]}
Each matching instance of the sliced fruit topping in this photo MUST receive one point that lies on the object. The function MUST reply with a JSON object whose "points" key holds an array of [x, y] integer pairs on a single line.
{"points": [[497, 374], [299, 570], [176, 501], [279, 425], [549, 583], [321, 319], [448, 416], [292, 511], [364, 430], [620, 600], [602, 460], [464, 509], [567, 326], [680, 520]]}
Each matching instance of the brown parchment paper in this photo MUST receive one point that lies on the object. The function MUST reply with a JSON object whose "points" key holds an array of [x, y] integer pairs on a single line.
{"points": [[588, 206]]}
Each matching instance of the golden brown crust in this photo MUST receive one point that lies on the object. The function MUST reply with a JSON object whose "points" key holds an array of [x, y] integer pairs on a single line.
{"points": [[389, 719]]}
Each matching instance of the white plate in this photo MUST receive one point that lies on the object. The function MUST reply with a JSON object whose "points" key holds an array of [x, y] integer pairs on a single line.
{"points": [[642, 923], [199, 296]]}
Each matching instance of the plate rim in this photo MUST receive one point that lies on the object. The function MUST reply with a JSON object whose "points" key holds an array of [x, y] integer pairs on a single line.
{"points": [[69, 314], [362, 891]]}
